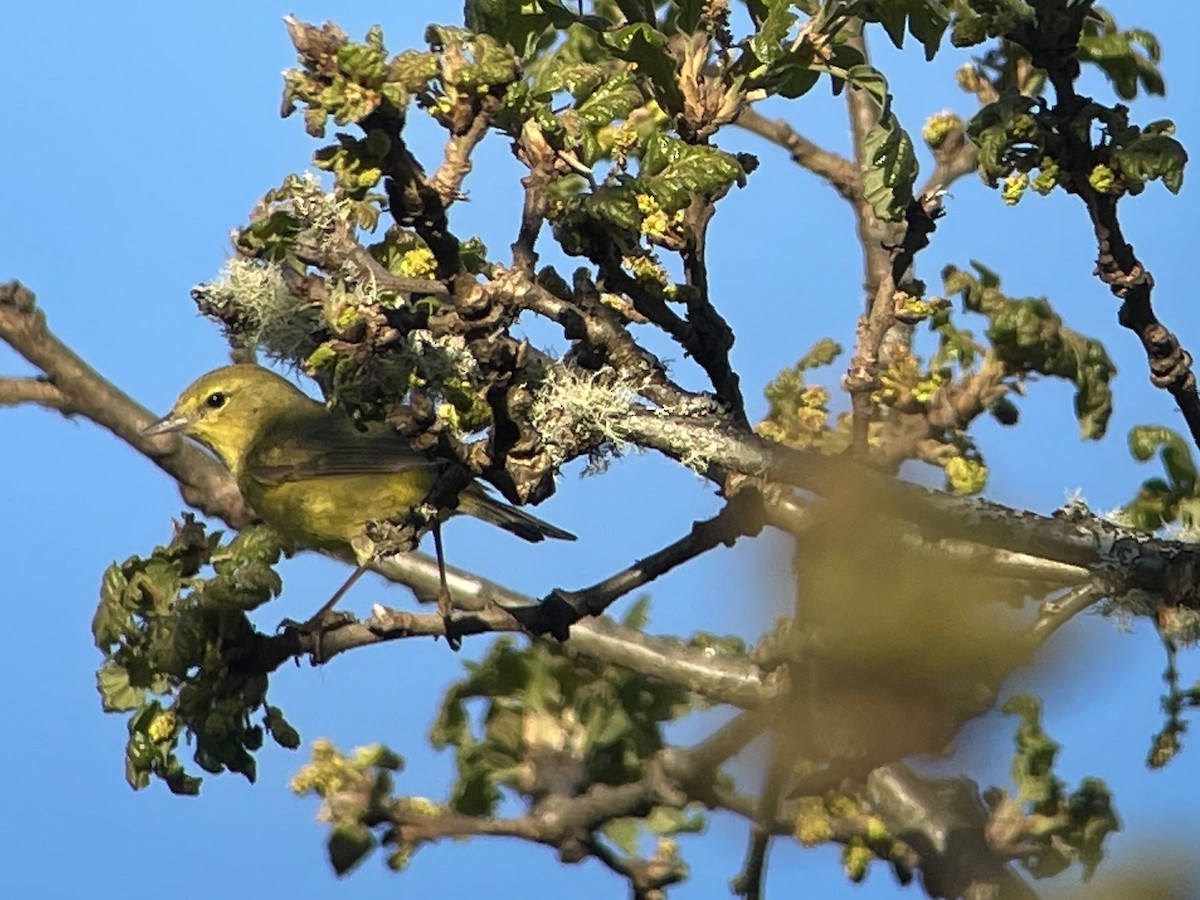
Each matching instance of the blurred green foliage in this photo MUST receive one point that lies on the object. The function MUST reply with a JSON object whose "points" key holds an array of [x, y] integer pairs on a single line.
{"points": [[1164, 501], [1060, 827], [1027, 337], [172, 641]]}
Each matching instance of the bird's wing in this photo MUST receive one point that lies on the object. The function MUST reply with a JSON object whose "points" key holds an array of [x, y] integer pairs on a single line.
{"points": [[326, 444]]}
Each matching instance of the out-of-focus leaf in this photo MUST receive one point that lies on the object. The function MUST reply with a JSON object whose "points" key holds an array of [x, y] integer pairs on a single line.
{"points": [[348, 844], [1153, 156], [1028, 336], [647, 48], [890, 169], [926, 20]]}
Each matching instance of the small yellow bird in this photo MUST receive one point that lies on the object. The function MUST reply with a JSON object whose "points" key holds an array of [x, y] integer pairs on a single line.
{"points": [[309, 472]]}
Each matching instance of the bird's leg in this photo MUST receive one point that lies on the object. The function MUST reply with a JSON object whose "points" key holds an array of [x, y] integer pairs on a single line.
{"points": [[317, 623], [338, 594], [444, 603]]}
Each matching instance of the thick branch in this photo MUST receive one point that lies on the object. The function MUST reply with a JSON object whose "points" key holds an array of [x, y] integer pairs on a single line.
{"points": [[792, 513], [1121, 557], [203, 482], [488, 607]]}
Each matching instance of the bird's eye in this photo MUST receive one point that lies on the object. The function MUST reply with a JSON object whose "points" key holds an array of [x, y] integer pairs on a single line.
{"points": [[215, 400]]}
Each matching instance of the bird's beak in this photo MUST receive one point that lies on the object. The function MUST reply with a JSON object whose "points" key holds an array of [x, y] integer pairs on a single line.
{"points": [[168, 424]]}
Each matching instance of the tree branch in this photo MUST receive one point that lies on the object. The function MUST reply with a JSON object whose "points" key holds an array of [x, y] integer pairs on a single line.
{"points": [[203, 482], [711, 336], [1123, 558], [588, 321], [39, 391], [489, 607], [1056, 613], [741, 516], [1116, 265], [447, 181], [836, 170], [748, 882], [943, 820]]}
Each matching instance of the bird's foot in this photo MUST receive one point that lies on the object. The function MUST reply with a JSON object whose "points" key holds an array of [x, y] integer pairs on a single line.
{"points": [[312, 630], [445, 607]]}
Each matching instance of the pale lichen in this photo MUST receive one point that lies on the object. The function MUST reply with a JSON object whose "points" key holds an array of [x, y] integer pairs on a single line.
{"points": [[572, 407], [253, 300]]}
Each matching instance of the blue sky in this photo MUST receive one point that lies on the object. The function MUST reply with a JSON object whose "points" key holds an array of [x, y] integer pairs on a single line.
{"points": [[140, 134]]}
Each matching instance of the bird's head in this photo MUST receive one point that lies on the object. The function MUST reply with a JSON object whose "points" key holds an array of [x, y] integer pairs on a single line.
{"points": [[226, 409]]}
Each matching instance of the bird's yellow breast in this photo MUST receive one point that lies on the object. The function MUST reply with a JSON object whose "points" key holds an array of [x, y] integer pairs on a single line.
{"points": [[330, 512]]}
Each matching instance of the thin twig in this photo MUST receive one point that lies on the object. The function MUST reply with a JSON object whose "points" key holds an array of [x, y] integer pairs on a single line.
{"points": [[447, 181], [741, 516], [832, 167], [749, 881], [39, 391], [1116, 265], [1056, 613]]}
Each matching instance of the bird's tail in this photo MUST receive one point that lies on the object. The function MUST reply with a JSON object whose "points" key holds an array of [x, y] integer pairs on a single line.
{"points": [[474, 501]]}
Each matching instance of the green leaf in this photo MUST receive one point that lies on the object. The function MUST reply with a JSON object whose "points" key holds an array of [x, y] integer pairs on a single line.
{"points": [[891, 16], [608, 727], [767, 43], [180, 783], [1028, 336], [822, 353], [794, 80], [475, 792], [117, 693], [927, 20], [1153, 156], [667, 820], [890, 169], [613, 98], [280, 729], [136, 776], [1033, 763], [1128, 58], [111, 617], [638, 613], [647, 48], [672, 171], [616, 204], [506, 731], [684, 15], [521, 29], [349, 843], [1175, 453], [1145, 439], [871, 80], [624, 833], [471, 62]]}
